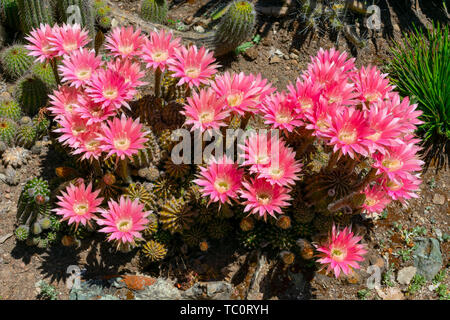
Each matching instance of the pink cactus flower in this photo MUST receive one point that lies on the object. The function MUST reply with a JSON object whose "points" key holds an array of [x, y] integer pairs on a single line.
{"points": [[280, 113], [159, 49], [89, 145], [376, 201], [371, 84], [122, 137], [304, 94], [319, 118], [68, 38], [334, 56], [204, 110], [401, 188], [259, 149], [125, 42], [71, 127], [342, 252], [124, 220], [131, 72], [93, 112], [79, 67], [263, 198], [64, 101], [193, 66], [220, 180], [78, 204], [41, 46]]}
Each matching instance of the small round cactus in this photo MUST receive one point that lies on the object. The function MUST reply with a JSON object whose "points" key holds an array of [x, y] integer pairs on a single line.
{"points": [[8, 129], [31, 93], [45, 223], [194, 235], [175, 215], [219, 228], [15, 157], [44, 72], [36, 228], [22, 232], [16, 61], [10, 109], [154, 250], [235, 27], [154, 10], [33, 201], [104, 22], [26, 136]]}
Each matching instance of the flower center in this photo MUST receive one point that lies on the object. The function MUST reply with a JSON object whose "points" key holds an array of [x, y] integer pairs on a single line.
{"points": [[235, 99], [47, 49], [192, 72], [78, 128], [393, 185], [263, 198], [124, 225], [338, 254], [160, 56], [372, 96], [110, 93], [68, 47], [221, 185], [122, 143], [84, 74], [392, 164], [206, 117], [81, 208], [126, 49], [276, 173], [262, 158], [375, 136], [370, 202], [347, 136], [322, 124], [92, 145], [283, 117], [305, 104]]}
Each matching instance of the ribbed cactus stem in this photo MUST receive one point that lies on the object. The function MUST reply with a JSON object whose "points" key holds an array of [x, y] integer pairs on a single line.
{"points": [[87, 13], [154, 10], [9, 12], [33, 13]]}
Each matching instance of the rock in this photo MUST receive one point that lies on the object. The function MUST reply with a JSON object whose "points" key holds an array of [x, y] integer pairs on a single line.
{"points": [[162, 289], [427, 257], [37, 148], [199, 29], [293, 56], [405, 275], [134, 282], [251, 54], [5, 95], [275, 59], [438, 199], [5, 237], [297, 289], [390, 294], [214, 290]]}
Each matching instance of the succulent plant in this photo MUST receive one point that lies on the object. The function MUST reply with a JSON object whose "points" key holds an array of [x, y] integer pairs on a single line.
{"points": [[163, 236], [164, 188], [194, 235], [152, 226], [154, 250], [218, 228], [36, 228], [104, 22], [235, 27], [44, 72], [284, 222], [45, 223], [150, 173], [177, 171], [9, 11], [15, 157], [31, 93], [139, 191], [33, 201], [151, 155], [26, 136], [33, 13], [86, 10], [15, 61], [175, 215], [323, 223], [280, 239], [8, 129], [41, 123], [247, 224], [303, 230], [251, 239], [22, 232], [10, 109], [154, 10]]}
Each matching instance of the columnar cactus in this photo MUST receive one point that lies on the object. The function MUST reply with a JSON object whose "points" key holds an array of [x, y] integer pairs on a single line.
{"points": [[9, 12], [10, 109], [34, 12], [154, 10], [15, 61], [235, 27], [86, 10], [33, 203], [31, 93]]}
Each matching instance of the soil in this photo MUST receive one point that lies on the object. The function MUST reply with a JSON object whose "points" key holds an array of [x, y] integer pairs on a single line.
{"points": [[21, 266]]}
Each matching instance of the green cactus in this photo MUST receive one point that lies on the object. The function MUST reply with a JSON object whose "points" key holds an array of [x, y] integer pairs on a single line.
{"points": [[219, 228], [8, 129], [45, 223], [154, 10], [15, 61], [98, 4], [36, 228], [9, 11], [235, 27], [22, 232], [104, 22], [154, 250], [175, 215], [33, 13], [139, 191], [41, 123], [280, 239], [10, 109], [26, 136], [152, 226], [31, 93], [44, 72], [86, 10], [33, 201], [163, 236], [194, 235], [251, 239]]}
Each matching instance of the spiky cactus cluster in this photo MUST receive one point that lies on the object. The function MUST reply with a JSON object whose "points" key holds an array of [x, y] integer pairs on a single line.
{"points": [[154, 250], [9, 12], [31, 93], [10, 109], [103, 17], [15, 61], [8, 129], [26, 135], [34, 12], [87, 13], [33, 201], [145, 196], [41, 124], [235, 27], [176, 215], [22, 232], [154, 10]]}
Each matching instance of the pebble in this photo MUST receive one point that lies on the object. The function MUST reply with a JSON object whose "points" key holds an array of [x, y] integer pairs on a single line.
{"points": [[438, 199], [405, 275], [199, 29], [275, 59], [251, 54], [293, 56]]}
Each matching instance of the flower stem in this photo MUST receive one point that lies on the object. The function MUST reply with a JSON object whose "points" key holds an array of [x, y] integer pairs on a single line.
{"points": [[54, 65], [124, 172], [245, 120], [158, 74]]}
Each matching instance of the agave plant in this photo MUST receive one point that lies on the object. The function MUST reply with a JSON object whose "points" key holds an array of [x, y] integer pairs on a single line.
{"points": [[420, 68]]}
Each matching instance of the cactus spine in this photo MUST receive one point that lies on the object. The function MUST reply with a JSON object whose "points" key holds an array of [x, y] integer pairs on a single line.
{"points": [[16, 61], [33, 13], [26, 136], [86, 10], [154, 10], [10, 109], [235, 27], [31, 93]]}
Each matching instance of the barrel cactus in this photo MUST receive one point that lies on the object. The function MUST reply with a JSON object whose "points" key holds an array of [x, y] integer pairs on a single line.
{"points": [[154, 10], [33, 13], [10, 109], [8, 129], [26, 135], [15, 61], [44, 72], [31, 93], [235, 27], [22, 232]]}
